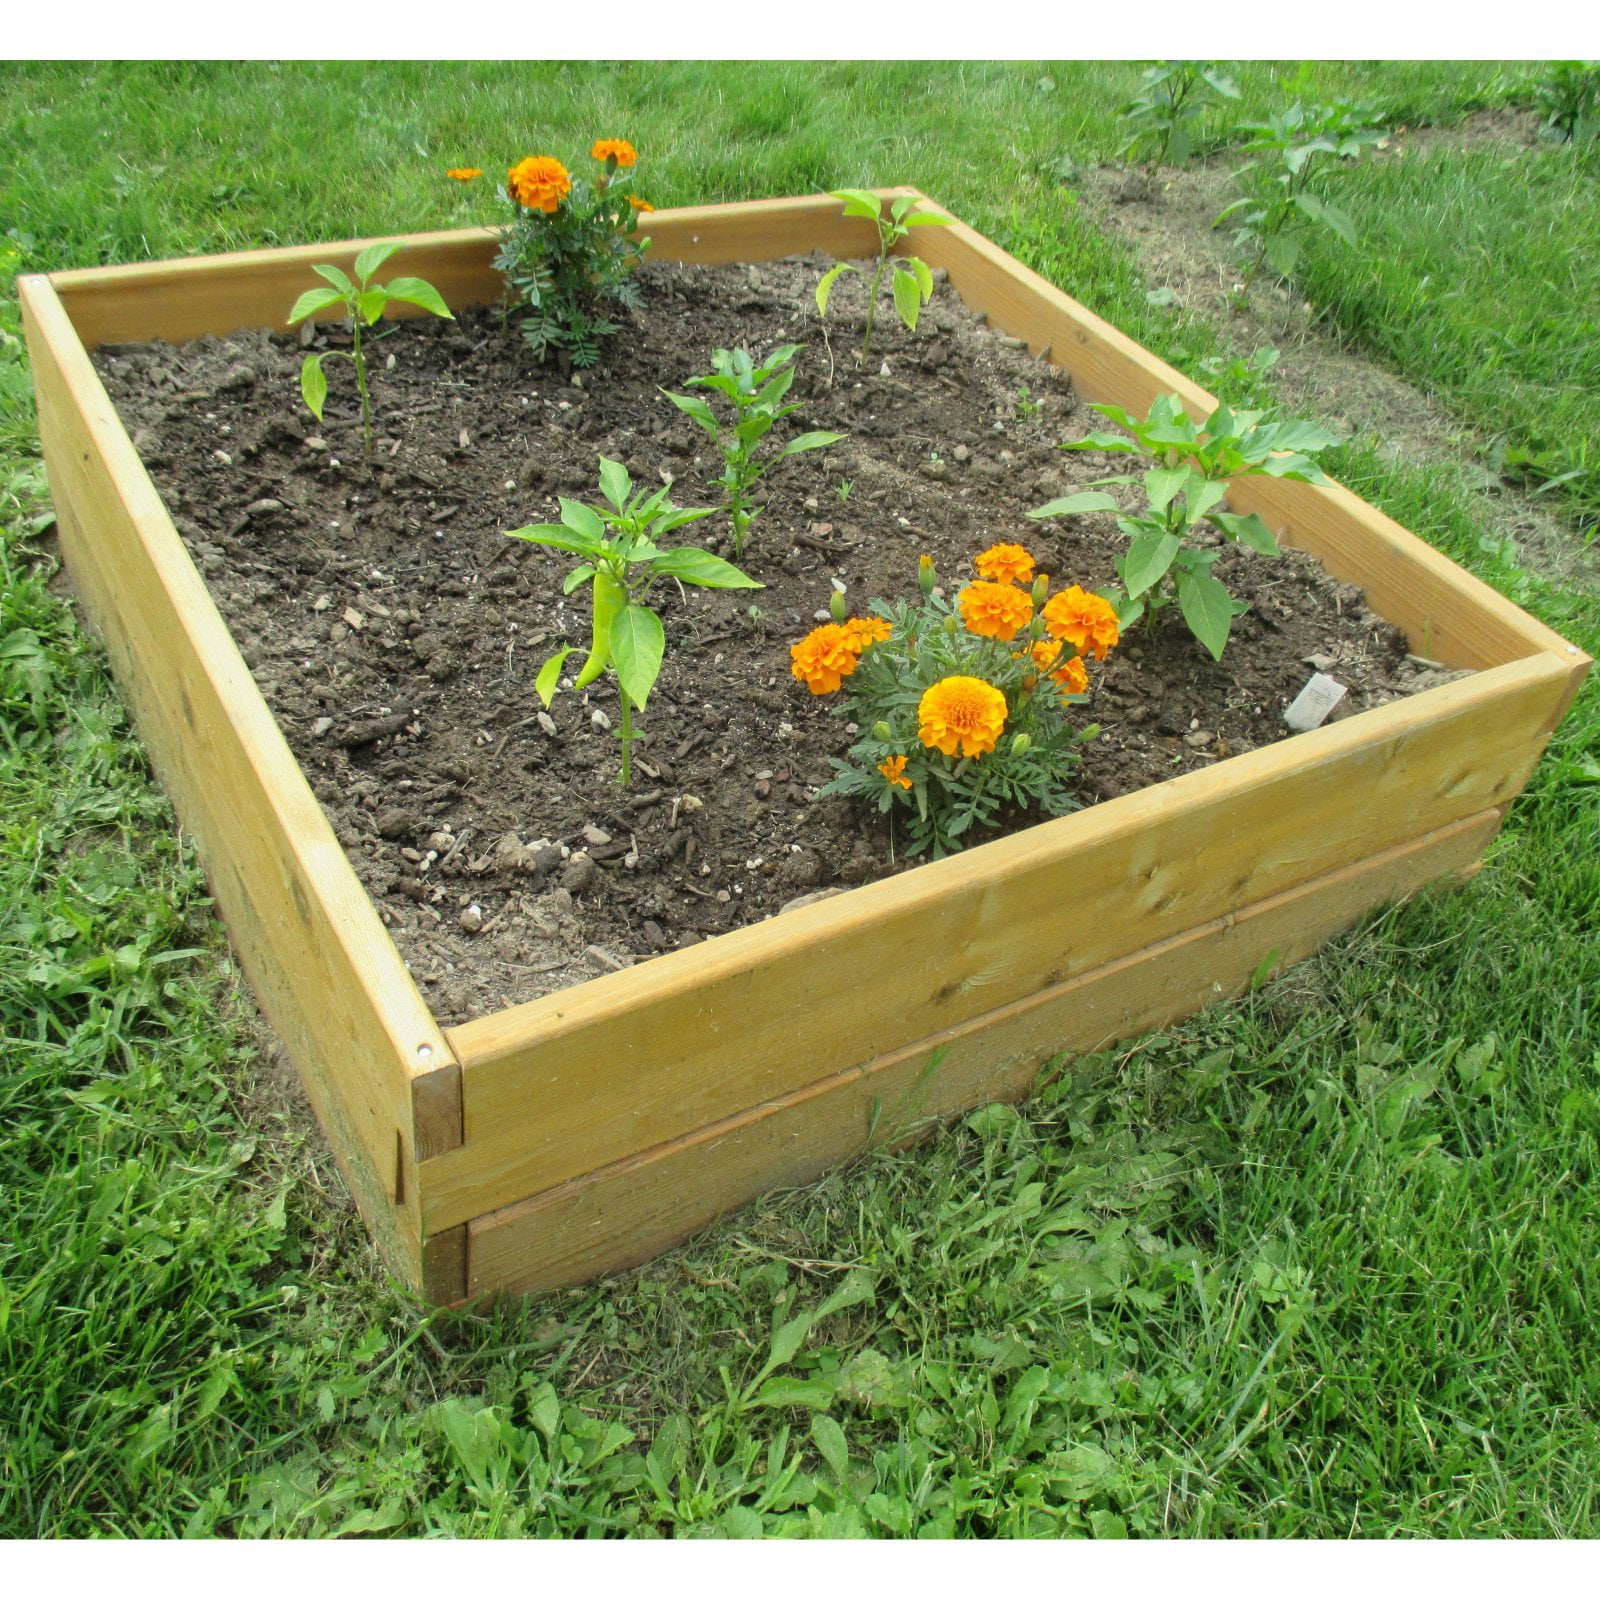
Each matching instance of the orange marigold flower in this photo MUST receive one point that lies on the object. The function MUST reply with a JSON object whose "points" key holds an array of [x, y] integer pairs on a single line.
{"points": [[862, 631], [638, 204], [995, 610], [824, 658], [894, 769], [1005, 563], [1073, 677], [961, 716], [1085, 621], [605, 149], [540, 183], [1044, 653], [464, 174]]}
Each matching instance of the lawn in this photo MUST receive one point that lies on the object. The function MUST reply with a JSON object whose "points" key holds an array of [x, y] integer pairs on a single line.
{"points": [[1320, 1262]]}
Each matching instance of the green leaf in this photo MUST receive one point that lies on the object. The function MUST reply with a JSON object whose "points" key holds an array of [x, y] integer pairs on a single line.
{"points": [[557, 537], [809, 441], [419, 292], [1148, 558], [1202, 494], [1283, 252], [374, 257], [582, 519], [907, 299], [1249, 530], [1162, 483], [693, 406], [928, 219], [313, 385], [577, 578], [615, 483], [313, 301], [545, 684], [337, 279], [809, 1392], [1208, 609], [638, 643], [831, 1444], [702, 569], [370, 304], [859, 202], [924, 277], [1076, 504]]}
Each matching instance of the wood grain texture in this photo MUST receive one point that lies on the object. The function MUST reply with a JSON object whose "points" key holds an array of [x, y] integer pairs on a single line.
{"points": [[221, 294], [610, 1220], [584, 1077], [326, 973], [1448, 614]]}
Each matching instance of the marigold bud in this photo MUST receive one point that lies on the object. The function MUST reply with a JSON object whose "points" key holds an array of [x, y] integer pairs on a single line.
{"points": [[926, 576], [1030, 682], [882, 732], [1041, 589], [837, 609], [1021, 745], [951, 626]]}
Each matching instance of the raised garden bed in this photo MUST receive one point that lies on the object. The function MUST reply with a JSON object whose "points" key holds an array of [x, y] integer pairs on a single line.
{"points": [[585, 1129]]}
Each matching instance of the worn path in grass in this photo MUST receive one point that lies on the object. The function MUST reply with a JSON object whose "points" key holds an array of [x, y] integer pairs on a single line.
{"points": [[1425, 400], [1317, 1263]]}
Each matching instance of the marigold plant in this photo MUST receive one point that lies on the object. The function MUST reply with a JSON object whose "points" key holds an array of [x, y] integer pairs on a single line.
{"points": [[969, 706], [570, 250]]}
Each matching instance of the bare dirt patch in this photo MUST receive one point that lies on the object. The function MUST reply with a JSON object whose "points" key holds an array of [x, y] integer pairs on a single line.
{"points": [[396, 632]]}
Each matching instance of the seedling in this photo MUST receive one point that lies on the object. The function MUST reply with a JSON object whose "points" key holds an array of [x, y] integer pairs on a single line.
{"points": [[364, 302], [1185, 487], [1279, 204], [756, 395], [843, 491], [911, 280], [621, 561], [1173, 96]]}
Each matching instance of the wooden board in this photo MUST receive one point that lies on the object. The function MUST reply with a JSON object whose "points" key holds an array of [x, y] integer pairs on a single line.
{"points": [[326, 973], [581, 1078], [616, 1218], [176, 300], [1447, 614]]}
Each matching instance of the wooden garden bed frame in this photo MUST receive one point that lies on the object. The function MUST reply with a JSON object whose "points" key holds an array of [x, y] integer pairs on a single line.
{"points": [[584, 1132]]}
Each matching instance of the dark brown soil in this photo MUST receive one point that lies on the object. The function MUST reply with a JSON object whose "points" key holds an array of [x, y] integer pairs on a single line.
{"points": [[396, 633]]}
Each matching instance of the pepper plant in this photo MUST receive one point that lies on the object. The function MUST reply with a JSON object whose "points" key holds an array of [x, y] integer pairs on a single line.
{"points": [[621, 562], [1184, 487], [1173, 96], [911, 280], [756, 395], [364, 302], [1288, 157]]}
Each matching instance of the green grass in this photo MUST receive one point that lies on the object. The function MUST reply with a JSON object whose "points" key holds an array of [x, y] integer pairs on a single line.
{"points": [[1477, 277], [1319, 1262]]}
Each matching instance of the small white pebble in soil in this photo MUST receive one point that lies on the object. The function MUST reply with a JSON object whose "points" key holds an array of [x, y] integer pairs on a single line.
{"points": [[388, 365], [822, 614], [600, 720], [838, 584], [904, 522], [511, 484]]}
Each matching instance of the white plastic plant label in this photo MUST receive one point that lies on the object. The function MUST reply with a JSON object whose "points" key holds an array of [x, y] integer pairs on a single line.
{"points": [[1312, 705]]}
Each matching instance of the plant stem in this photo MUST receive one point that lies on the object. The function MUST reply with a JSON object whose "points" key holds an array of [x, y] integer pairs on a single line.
{"points": [[627, 737], [361, 385], [872, 303]]}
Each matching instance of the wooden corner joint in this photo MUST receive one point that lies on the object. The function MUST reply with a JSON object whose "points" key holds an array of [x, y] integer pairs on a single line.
{"points": [[437, 1119]]}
